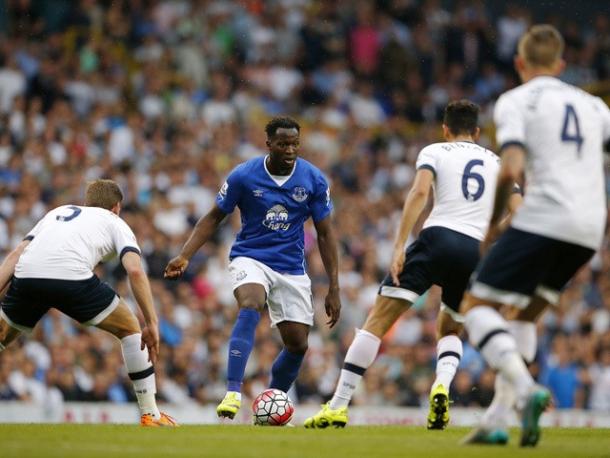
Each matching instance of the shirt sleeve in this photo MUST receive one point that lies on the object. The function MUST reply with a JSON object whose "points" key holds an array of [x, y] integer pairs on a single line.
{"points": [[427, 159], [510, 123], [321, 204], [229, 193], [34, 232], [123, 238], [605, 117]]}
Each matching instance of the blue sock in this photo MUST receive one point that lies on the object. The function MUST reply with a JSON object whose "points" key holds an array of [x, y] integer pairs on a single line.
{"points": [[285, 369], [240, 346]]}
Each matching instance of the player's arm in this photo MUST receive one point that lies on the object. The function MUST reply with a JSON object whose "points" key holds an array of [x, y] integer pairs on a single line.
{"points": [[7, 268], [414, 205], [327, 243], [201, 233], [511, 169], [138, 280]]}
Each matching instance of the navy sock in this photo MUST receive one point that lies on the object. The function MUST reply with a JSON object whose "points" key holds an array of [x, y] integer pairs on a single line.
{"points": [[240, 346], [285, 369]]}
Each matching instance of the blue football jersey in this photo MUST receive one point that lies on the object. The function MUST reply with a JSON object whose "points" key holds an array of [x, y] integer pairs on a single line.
{"points": [[272, 216]]}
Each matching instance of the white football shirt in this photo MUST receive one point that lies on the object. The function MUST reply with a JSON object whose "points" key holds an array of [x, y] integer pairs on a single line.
{"points": [[465, 176], [563, 130], [69, 241]]}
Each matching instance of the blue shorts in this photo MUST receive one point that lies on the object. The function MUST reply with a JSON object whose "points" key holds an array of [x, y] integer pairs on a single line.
{"points": [[439, 256], [522, 264], [87, 301]]}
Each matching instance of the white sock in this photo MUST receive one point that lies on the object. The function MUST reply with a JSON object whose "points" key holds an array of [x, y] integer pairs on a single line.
{"points": [[141, 373], [526, 338], [488, 331], [496, 415], [448, 355], [359, 357]]}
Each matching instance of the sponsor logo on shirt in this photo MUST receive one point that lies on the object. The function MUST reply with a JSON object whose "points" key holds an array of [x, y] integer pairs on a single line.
{"points": [[276, 218], [299, 194]]}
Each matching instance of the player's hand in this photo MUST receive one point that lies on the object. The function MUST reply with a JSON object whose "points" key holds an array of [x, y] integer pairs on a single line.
{"points": [[332, 304], [493, 233], [176, 267], [398, 261], [150, 340]]}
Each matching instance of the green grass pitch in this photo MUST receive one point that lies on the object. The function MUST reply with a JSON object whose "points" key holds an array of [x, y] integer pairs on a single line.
{"points": [[89, 441]]}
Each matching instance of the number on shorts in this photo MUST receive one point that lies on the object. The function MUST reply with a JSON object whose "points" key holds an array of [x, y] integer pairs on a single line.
{"points": [[75, 212], [470, 175]]}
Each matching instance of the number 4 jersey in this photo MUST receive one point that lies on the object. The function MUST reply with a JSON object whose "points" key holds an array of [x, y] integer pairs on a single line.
{"points": [[562, 129], [465, 176], [69, 241]]}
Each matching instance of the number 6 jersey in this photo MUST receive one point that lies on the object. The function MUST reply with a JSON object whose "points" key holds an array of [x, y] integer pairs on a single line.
{"points": [[465, 176], [562, 129], [69, 241]]}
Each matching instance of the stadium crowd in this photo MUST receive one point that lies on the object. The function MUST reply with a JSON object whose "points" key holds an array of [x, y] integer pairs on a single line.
{"points": [[165, 97]]}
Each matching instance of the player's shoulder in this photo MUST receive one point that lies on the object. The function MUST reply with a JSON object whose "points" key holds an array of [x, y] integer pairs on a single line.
{"points": [[254, 165], [309, 170], [435, 148]]}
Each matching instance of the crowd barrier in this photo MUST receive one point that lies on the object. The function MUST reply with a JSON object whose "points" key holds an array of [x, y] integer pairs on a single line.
{"points": [[80, 412]]}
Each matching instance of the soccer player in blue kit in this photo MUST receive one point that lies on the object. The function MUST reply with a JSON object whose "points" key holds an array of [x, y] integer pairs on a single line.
{"points": [[276, 194]]}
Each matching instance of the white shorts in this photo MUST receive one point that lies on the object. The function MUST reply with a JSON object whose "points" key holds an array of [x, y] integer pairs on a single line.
{"points": [[288, 296]]}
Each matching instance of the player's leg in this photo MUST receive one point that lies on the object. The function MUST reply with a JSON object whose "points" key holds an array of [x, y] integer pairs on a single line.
{"points": [[392, 301], [508, 275], [522, 326], [123, 324], [360, 355], [287, 364], [251, 299], [448, 355], [7, 334]]}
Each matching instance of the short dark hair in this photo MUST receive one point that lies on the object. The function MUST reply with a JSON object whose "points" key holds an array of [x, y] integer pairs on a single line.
{"points": [[281, 122], [461, 117], [103, 193]]}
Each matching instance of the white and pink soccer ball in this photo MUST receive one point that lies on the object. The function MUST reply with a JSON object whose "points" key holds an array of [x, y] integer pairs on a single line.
{"points": [[272, 408]]}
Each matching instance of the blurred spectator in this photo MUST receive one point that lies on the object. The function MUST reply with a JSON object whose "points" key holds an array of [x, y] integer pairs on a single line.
{"points": [[166, 97]]}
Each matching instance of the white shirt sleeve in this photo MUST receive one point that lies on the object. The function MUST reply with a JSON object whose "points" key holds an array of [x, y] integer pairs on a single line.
{"points": [[509, 120], [123, 238], [427, 159], [605, 117]]}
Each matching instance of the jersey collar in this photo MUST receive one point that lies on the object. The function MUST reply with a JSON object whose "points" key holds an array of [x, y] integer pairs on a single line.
{"points": [[280, 184]]}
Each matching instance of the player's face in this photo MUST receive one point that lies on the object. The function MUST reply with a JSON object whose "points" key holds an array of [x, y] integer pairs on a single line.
{"points": [[283, 150]]}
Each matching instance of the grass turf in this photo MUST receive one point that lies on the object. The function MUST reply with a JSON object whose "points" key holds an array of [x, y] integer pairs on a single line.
{"points": [[65, 441]]}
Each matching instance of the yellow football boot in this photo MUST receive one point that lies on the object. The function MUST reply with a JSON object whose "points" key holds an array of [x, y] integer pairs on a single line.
{"points": [[438, 417], [229, 406], [328, 417]]}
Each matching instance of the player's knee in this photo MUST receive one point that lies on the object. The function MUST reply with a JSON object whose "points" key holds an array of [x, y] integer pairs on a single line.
{"points": [[251, 303], [298, 346]]}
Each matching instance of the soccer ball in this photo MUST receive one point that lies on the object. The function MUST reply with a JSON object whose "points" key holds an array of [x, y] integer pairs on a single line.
{"points": [[272, 408]]}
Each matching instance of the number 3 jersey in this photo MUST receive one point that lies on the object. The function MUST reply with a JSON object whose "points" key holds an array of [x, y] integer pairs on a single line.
{"points": [[465, 176], [562, 129], [69, 241]]}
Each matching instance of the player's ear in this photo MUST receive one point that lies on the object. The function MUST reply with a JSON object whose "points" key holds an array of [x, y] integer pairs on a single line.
{"points": [[519, 64], [446, 132], [560, 66], [476, 134], [268, 143], [116, 209]]}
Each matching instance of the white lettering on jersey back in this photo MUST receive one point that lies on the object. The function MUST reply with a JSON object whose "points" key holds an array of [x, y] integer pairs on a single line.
{"points": [[69, 241], [563, 130], [464, 186]]}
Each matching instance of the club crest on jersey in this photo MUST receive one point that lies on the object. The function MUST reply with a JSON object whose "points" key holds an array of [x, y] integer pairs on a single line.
{"points": [[258, 193], [299, 194], [276, 218]]}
